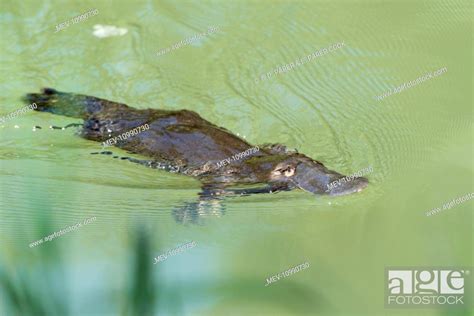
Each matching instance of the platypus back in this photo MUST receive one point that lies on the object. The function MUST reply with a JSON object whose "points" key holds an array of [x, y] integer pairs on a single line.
{"points": [[181, 137]]}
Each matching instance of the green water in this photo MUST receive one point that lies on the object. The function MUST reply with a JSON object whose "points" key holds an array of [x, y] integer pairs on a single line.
{"points": [[418, 142]]}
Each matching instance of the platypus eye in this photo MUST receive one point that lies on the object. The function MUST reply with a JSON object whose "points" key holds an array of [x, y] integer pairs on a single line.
{"points": [[288, 171]]}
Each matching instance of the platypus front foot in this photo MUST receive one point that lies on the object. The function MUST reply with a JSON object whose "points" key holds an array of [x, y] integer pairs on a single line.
{"points": [[196, 212], [219, 191]]}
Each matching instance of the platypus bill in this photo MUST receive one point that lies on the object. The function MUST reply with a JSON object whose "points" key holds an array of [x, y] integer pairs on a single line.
{"points": [[183, 142]]}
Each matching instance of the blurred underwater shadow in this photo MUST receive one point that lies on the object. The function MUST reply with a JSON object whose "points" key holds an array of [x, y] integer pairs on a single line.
{"points": [[36, 282]]}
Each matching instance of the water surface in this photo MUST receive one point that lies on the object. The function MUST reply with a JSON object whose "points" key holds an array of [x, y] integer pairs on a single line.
{"points": [[418, 142]]}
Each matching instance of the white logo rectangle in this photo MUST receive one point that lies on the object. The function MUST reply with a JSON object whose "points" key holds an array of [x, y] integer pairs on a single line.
{"points": [[426, 286]]}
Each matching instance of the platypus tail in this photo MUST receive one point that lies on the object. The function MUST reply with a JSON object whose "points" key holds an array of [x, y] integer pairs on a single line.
{"points": [[67, 104]]}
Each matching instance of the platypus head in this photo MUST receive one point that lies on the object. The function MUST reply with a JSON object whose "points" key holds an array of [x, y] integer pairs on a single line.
{"points": [[312, 176]]}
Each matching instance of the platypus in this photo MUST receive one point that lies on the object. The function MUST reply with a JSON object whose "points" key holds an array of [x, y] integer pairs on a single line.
{"points": [[183, 142]]}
